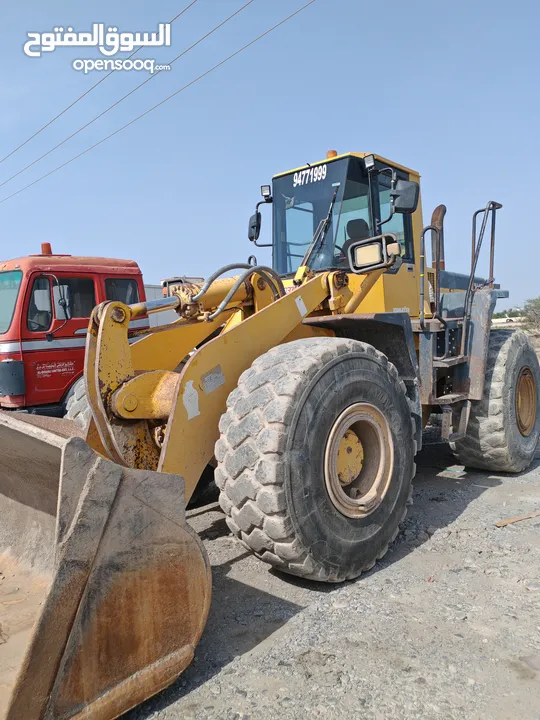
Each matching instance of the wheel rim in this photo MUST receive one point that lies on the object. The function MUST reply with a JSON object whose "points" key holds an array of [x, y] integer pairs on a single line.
{"points": [[358, 460], [525, 401]]}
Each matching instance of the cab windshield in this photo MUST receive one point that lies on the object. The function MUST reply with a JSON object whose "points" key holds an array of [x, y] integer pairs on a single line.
{"points": [[302, 200], [10, 283]]}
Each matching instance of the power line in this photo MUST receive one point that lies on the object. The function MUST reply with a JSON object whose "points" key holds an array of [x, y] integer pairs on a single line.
{"points": [[41, 129], [154, 107], [138, 87]]}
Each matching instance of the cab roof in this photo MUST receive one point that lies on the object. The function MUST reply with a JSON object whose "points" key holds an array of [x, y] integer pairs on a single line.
{"points": [[72, 263], [351, 154]]}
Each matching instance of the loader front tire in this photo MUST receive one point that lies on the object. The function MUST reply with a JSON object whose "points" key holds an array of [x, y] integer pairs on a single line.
{"points": [[504, 426], [316, 457], [76, 406]]}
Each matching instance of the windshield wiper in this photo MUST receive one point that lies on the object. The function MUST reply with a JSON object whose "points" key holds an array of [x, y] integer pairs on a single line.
{"points": [[320, 233]]}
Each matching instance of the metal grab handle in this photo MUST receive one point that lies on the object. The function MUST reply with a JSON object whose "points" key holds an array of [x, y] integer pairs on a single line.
{"points": [[492, 208], [477, 239]]}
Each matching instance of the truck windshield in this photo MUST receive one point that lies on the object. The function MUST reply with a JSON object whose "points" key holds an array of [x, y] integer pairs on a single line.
{"points": [[10, 283], [301, 202]]}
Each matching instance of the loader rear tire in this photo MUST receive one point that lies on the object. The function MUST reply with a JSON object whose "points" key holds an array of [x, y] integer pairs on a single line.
{"points": [[288, 420], [504, 426]]}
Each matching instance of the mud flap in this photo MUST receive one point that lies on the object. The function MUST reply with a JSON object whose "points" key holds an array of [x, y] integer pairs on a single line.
{"points": [[104, 588]]}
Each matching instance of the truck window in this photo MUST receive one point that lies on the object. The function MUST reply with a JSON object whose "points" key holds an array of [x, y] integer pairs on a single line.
{"points": [[10, 282], [79, 295], [39, 308], [123, 290]]}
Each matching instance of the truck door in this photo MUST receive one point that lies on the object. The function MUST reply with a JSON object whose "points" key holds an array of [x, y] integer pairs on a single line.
{"points": [[54, 326]]}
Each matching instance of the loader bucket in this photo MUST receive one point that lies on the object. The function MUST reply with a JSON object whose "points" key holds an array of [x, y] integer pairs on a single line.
{"points": [[104, 588]]}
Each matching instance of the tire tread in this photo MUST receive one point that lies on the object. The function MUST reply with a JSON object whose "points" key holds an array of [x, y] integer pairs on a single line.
{"points": [[275, 378], [486, 445]]}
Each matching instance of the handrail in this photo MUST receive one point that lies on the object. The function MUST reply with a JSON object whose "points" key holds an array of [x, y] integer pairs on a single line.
{"points": [[477, 238]]}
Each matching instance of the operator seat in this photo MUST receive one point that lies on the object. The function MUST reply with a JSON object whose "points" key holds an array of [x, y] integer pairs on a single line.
{"points": [[357, 229]]}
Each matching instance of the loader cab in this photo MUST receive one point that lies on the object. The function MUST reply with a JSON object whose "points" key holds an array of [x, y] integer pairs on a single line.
{"points": [[358, 208]]}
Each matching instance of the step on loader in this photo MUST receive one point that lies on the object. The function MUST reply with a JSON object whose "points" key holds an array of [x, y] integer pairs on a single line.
{"points": [[305, 385]]}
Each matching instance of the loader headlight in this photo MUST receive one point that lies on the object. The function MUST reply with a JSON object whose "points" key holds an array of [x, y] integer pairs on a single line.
{"points": [[266, 192]]}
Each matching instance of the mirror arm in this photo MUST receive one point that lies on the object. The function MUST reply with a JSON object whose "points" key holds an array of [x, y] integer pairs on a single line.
{"points": [[266, 200], [393, 175], [392, 212], [61, 301], [388, 171]]}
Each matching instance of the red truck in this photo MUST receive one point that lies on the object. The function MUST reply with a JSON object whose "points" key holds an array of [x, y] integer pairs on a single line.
{"points": [[45, 306]]}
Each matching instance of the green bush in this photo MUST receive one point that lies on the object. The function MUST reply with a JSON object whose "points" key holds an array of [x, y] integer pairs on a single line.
{"points": [[531, 313]]}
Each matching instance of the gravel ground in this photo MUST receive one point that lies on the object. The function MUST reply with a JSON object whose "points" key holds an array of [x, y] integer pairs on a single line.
{"points": [[446, 626]]}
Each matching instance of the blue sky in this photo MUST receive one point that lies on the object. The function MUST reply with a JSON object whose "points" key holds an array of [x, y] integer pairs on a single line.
{"points": [[450, 89]]}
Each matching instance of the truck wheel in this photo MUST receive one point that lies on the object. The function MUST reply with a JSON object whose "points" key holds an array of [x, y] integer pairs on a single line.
{"points": [[316, 457], [76, 405], [504, 426]]}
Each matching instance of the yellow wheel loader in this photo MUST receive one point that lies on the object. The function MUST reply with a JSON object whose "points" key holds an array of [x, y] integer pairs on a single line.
{"points": [[305, 385]]}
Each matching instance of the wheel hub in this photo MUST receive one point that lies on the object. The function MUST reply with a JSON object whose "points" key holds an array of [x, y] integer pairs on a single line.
{"points": [[525, 401], [350, 458], [359, 458]]}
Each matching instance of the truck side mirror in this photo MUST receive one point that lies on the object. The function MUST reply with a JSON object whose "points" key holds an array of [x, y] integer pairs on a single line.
{"points": [[405, 196], [254, 227]]}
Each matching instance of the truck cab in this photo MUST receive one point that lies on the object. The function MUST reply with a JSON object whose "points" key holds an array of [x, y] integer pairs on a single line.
{"points": [[45, 306]]}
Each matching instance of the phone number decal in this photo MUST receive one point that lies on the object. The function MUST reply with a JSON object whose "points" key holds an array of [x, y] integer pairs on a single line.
{"points": [[310, 175]]}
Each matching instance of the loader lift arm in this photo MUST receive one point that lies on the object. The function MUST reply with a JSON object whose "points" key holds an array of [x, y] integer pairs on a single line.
{"points": [[192, 401]]}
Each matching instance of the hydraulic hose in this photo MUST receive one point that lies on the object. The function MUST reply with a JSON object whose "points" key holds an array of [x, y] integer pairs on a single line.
{"points": [[215, 275], [266, 273], [269, 274]]}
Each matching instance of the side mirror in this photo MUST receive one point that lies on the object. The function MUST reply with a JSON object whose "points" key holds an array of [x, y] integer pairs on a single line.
{"points": [[405, 196], [254, 227], [382, 251]]}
